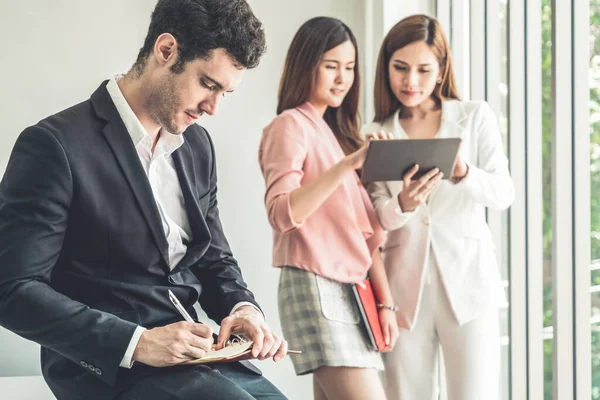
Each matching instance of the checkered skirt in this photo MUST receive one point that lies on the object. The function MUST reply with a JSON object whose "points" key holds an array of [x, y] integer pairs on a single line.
{"points": [[320, 317]]}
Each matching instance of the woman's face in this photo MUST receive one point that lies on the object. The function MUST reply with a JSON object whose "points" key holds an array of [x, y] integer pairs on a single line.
{"points": [[413, 71], [335, 76]]}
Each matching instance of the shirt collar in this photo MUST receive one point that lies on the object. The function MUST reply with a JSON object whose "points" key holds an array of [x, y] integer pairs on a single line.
{"points": [[167, 142], [313, 115]]}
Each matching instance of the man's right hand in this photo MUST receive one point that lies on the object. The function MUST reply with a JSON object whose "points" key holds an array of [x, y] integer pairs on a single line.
{"points": [[173, 344]]}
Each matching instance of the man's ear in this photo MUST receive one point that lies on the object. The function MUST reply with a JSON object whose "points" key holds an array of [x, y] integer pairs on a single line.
{"points": [[165, 49]]}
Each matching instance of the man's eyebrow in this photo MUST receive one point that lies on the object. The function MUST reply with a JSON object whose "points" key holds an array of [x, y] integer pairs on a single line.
{"points": [[214, 81]]}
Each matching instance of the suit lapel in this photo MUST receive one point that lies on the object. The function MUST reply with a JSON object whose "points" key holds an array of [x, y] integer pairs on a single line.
{"points": [[184, 164], [124, 151], [454, 119], [453, 124]]}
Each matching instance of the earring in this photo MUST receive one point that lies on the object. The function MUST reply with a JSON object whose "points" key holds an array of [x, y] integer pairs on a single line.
{"points": [[439, 80]]}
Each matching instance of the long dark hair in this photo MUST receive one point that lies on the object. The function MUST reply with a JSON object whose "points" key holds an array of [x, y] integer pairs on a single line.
{"points": [[314, 38], [412, 29]]}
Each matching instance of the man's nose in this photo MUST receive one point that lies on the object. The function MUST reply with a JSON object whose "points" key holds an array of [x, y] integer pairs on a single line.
{"points": [[211, 104]]}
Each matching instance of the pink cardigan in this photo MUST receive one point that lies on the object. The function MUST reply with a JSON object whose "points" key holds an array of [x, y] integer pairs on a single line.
{"points": [[337, 240]]}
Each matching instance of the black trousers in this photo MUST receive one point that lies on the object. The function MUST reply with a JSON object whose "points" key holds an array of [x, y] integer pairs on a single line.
{"points": [[203, 382]]}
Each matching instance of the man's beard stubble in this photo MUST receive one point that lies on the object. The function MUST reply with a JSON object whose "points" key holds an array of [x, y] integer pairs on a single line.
{"points": [[162, 103]]}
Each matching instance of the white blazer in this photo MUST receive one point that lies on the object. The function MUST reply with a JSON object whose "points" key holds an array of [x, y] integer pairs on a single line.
{"points": [[452, 223]]}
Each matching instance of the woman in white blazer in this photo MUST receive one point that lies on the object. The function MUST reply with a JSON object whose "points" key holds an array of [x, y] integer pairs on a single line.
{"points": [[439, 253]]}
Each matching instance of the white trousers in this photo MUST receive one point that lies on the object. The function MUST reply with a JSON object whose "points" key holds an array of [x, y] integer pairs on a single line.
{"points": [[471, 352]]}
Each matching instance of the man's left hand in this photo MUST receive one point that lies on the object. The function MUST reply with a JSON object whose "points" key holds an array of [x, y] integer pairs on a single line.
{"points": [[249, 322]]}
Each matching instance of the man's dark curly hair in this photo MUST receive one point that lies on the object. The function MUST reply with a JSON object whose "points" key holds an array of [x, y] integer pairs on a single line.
{"points": [[201, 26]]}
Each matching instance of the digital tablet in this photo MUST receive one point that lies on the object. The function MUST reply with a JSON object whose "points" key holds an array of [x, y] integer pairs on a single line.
{"points": [[389, 160]]}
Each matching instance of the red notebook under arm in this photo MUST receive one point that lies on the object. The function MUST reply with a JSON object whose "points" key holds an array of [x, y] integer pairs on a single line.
{"points": [[368, 308]]}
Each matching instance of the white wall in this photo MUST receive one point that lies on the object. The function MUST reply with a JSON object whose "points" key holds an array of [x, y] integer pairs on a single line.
{"points": [[395, 10], [60, 51]]}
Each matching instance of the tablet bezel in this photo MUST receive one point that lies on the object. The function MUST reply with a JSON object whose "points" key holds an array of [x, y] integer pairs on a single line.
{"points": [[424, 154]]}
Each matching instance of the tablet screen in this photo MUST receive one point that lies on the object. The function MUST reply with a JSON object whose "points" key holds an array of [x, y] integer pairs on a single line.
{"points": [[389, 160]]}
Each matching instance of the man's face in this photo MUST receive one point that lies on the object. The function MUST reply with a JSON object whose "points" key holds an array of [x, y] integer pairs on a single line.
{"points": [[175, 101]]}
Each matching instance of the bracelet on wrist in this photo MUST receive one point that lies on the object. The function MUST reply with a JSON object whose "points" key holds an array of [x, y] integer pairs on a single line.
{"points": [[392, 307]]}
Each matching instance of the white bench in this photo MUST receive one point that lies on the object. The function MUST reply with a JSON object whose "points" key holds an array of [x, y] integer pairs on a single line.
{"points": [[25, 388]]}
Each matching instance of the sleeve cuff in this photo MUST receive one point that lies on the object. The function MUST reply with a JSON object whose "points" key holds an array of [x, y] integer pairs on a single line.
{"points": [[127, 361], [393, 217], [469, 181], [405, 214], [282, 217], [246, 303]]}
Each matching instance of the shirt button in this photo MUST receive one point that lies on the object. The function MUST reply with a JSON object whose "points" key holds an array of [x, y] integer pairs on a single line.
{"points": [[83, 364], [427, 221], [98, 371]]}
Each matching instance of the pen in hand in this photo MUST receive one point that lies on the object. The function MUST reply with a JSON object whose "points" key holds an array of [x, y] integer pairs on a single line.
{"points": [[179, 307], [187, 317]]}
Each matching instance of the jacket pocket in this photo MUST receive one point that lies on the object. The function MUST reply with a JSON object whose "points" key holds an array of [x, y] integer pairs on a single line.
{"points": [[337, 301]]}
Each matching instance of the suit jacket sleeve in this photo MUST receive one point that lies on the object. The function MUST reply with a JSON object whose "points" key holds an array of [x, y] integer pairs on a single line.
{"points": [[388, 208], [35, 195], [489, 182], [223, 286]]}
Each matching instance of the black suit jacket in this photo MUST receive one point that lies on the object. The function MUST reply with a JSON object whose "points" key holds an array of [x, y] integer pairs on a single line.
{"points": [[83, 255]]}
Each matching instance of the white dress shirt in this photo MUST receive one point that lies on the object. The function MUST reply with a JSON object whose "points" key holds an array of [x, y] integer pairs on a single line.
{"points": [[164, 182]]}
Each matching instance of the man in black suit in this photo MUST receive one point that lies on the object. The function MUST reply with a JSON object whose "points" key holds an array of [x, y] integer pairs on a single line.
{"points": [[107, 205]]}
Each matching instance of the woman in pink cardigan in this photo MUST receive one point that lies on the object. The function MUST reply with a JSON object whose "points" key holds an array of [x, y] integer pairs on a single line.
{"points": [[325, 231]]}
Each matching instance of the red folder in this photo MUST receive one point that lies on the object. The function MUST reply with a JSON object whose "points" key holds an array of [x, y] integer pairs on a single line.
{"points": [[363, 291]]}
